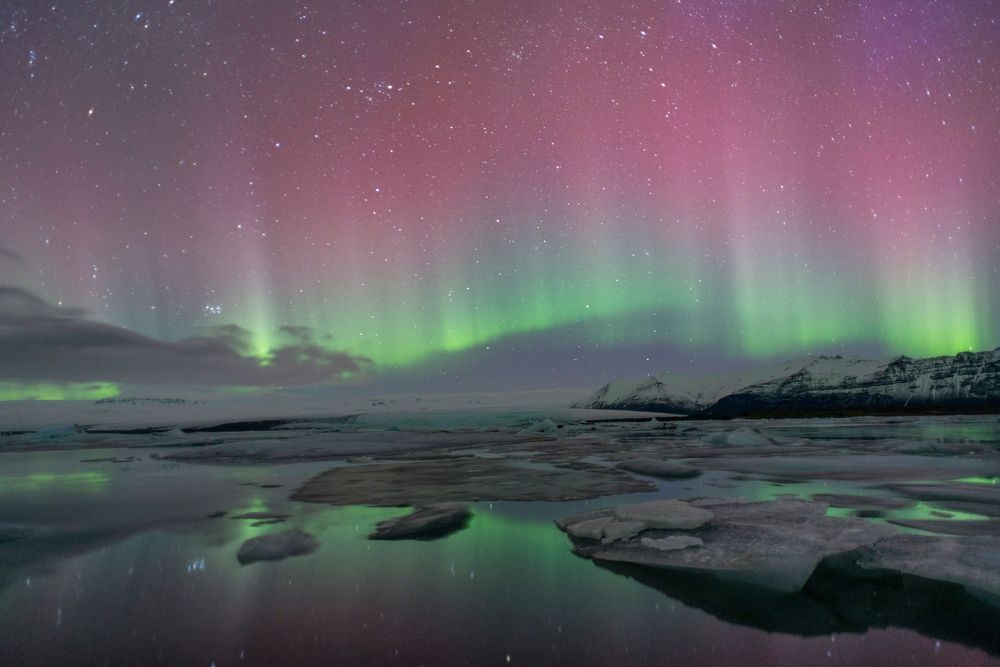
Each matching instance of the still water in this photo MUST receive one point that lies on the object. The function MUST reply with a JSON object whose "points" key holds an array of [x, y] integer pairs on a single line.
{"points": [[127, 569]]}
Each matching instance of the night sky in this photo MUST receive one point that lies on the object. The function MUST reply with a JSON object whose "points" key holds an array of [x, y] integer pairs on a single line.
{"points": [[495, 195]]}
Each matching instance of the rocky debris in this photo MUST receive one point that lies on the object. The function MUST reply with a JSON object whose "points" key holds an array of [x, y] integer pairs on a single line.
{"points": [[428, 521], [277, 546], [660, 468], [672, 543], [465, 479], [665, 515], [775, 544]]}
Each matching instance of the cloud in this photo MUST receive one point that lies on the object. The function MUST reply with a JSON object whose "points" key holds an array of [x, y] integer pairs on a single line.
{"points": [[17, 303], [40, 342]]}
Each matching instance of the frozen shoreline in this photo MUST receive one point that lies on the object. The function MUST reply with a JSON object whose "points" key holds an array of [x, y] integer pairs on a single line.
{"points": [[925, 478]]}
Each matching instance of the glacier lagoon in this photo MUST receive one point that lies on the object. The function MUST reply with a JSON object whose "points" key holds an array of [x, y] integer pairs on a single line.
{"points": [[120, 548]]}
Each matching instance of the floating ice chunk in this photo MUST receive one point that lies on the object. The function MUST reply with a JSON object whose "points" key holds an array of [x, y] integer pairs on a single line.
{"points": [[277, 546], [542, 426], [741, 437], [672, 543]]}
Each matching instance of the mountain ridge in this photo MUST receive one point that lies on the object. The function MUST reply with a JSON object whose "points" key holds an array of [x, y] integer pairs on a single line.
{"points": [[822, 384]]}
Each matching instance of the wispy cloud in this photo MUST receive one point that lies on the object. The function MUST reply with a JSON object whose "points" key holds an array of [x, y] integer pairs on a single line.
{"points": [[40, 342]]}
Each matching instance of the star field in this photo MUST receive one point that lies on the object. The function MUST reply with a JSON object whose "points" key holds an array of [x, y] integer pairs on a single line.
{"points": [[444, 184]]}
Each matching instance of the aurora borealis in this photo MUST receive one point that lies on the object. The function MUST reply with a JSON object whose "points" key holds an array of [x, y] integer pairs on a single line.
{"points": [[422, 183]]}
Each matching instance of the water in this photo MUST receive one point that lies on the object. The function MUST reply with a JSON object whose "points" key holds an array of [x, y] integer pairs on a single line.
{"points": [[983, 429], [131, 571]]}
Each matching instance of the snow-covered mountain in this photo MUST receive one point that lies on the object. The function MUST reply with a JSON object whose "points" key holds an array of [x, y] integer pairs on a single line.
{"points": [[817, 384]]}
